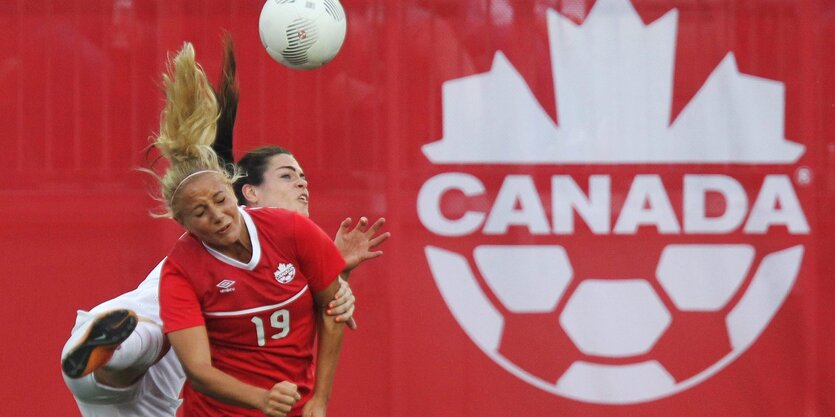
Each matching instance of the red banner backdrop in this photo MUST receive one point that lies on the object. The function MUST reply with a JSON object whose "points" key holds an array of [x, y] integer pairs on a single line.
{"points": [[599, 208]]}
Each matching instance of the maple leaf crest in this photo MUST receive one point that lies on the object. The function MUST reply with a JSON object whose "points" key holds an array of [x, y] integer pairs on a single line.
{"points": [[613, 78]]}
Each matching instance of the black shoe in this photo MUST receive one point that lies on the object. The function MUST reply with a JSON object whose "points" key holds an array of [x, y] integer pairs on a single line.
{"points": [[98, 342]]}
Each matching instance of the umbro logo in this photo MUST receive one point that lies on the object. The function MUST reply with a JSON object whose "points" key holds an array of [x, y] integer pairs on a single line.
{"points": [[226, 285]]}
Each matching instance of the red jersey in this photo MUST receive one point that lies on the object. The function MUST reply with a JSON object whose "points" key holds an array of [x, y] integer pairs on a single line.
{"points": [[259, 316]]}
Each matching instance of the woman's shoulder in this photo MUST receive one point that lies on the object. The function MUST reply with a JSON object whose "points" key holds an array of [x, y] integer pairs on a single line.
{"points": [[275, 218], [281, 223], [186, 246], [270, 213]]}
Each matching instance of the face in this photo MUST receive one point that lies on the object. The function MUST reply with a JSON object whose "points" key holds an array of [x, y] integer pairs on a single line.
{"points": [[284, 186], [205, 205]]}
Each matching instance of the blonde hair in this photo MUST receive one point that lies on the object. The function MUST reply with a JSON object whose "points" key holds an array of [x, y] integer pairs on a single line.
{"points": [[187, 126]]}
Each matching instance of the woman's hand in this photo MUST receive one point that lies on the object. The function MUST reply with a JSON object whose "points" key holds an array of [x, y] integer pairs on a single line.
{"points": [[356, 245], [342, 305], [279, 400]]}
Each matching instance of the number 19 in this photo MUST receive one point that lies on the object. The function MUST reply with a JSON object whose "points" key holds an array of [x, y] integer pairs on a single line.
{"points": [[280, 319]]}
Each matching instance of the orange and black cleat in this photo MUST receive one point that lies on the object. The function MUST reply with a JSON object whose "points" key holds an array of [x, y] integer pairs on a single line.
{"points": [[97, 344]]}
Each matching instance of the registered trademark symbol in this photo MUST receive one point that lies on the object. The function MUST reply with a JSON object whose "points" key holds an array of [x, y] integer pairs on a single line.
{"points": [[803, 175]]}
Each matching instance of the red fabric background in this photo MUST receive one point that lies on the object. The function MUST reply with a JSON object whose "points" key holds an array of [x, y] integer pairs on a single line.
{"points": [[79, 82]]}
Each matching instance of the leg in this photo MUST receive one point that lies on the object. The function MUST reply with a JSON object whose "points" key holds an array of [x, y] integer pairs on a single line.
{"points": [[141, 350], [93, 345]]}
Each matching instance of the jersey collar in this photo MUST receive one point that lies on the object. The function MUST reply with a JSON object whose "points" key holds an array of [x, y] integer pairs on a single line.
{"points": [[256, 246]]}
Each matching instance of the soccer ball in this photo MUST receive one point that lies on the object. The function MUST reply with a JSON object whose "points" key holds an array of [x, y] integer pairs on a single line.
{"points": [[615, 340], [302, 34]]}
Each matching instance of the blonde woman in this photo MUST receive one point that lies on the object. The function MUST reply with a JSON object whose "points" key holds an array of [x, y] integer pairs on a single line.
{"points": [[244, 293], [150, 388]]}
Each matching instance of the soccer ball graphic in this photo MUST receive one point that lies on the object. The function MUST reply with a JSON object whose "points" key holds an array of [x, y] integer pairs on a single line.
{"points": [[614, 340], [302, 34]]}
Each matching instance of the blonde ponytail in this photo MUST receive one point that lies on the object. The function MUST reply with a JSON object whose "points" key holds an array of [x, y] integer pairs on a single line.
{"points": [[187, 125]]}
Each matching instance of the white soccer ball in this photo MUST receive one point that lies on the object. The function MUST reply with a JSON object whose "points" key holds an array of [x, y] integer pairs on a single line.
{"points": [[302, 34]]}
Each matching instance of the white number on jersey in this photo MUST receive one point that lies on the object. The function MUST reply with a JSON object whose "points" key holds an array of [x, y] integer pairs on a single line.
{"points": [[280, 320]]}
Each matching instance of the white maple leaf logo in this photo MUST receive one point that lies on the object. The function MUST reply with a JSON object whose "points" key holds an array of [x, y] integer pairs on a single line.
{"points": [[613, 78]]}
